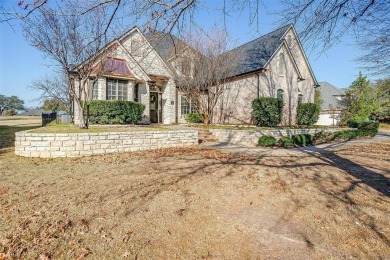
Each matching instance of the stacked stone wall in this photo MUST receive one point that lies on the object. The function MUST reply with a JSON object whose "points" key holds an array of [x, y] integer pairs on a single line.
{"points": [[50, 145]]}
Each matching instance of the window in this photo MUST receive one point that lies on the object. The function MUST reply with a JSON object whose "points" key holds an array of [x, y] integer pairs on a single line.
{"points": [[186, 67], [188, 106], [282, 65], [95, 90], [300, 98], [135, 94], [116, 89], [279, 94]]}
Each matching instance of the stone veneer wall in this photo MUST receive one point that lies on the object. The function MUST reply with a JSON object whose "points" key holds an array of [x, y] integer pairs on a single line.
{"points": [[251, 137], [84, 144]]}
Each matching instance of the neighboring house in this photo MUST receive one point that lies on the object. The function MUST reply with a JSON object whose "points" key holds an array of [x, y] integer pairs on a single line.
{"points": [[144, 68], [331, 108], [33, 112]]}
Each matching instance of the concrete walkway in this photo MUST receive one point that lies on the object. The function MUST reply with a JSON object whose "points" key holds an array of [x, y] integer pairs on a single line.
{"points": [[382, 137]]}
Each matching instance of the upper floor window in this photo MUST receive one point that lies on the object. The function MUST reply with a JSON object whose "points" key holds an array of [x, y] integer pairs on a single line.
{"points": [[300, 98], [186, 67], [116, 89], [282, 64], [280, 94]]}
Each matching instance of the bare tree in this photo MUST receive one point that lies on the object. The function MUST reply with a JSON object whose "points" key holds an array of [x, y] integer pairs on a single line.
{"points": [[73, 42], [324, 22], [162, 15], [53, 87], [203, 69]]}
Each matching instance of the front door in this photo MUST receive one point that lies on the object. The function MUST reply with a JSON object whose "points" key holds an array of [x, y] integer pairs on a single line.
{"points": [[155, 108]]}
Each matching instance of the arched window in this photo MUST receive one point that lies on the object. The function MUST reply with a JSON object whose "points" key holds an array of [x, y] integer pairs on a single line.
{"points": [[282, 65], [300, 98], [289, 41], [279, 94]]}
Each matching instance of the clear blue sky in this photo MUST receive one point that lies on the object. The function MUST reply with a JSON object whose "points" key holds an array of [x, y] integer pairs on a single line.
{"points": [[20, 64]]}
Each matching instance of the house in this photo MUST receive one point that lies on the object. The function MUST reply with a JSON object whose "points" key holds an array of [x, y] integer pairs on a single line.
{"points": [[144, 68], [331, 108], [33, 112]]}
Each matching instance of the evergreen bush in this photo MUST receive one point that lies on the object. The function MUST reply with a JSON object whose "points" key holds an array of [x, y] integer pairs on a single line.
{"points": [[267, 140], [303, 139], [286, 142], [194, 118], [267, 111], [365, 128], [308, 113], [115, 112]]}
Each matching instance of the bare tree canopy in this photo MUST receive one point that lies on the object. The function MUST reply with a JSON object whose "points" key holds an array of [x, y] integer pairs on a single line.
{"points": [[53, 87], [162, 15], [203, 69], [323, 23]]}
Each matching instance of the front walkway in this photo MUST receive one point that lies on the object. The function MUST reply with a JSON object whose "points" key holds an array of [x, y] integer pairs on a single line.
{"points": [[382, 137]]}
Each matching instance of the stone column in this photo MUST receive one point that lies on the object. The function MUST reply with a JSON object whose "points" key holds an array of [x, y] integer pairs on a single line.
{"points": [[130, 90], [102, 93]]}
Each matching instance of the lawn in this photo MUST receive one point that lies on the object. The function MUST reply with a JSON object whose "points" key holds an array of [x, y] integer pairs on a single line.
{"points": [[197, 203]]}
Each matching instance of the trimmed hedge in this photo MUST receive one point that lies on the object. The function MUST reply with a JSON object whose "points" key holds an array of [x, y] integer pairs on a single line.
{"points": [[193, 118], [308, 113], [303, 139], [267, 111], [267, 140], [286, 142], [115, 112]]}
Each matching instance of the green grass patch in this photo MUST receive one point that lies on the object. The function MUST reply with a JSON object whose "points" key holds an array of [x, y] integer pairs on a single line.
{"points": [[70, 128]]}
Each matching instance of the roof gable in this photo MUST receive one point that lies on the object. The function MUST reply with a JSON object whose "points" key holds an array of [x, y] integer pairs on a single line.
{"points": [[330, 96], [255, 54]]}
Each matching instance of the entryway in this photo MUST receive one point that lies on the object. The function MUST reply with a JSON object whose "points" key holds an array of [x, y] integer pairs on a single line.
{"points": [[155, 108]]}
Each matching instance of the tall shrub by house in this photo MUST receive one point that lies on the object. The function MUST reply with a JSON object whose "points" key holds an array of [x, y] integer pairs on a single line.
{"points": [[308, 113], [267, 111], [115, 112]]}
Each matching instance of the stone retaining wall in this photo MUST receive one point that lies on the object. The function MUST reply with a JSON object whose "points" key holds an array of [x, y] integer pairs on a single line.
{"points": [[84, 144], [251, 137]]}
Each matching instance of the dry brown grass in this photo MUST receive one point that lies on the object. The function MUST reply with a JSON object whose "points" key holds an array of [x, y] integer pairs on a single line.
{"points": [[195, 203]]}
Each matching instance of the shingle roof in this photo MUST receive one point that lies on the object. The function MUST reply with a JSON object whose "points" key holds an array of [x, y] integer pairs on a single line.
{"points": [[254, 55], [165, 44], [251, 56], [329, 94]]}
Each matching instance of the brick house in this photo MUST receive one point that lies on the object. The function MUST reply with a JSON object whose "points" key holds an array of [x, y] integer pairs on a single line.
{"points": [[143, 68]]}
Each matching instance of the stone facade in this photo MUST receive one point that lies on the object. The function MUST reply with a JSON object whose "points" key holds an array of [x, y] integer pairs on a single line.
{"points": [[292, 75], [148, 70], [286, 69], [251, 137], [85, 144]]}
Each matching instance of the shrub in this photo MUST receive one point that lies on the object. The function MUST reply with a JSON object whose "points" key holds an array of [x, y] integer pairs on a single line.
{"points": [[286, 142], [303, 139], [365, 128], [308, 113], [115, 112], [267, 140], [193, 118], [344, 135], [267, 111], [381, 117]]}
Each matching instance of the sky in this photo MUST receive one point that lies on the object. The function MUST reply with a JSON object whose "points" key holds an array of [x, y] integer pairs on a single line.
{"points": [[21, 64]]}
